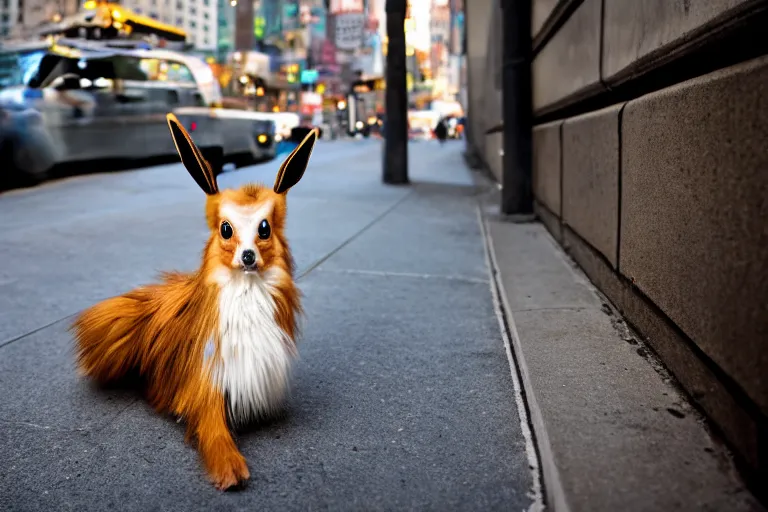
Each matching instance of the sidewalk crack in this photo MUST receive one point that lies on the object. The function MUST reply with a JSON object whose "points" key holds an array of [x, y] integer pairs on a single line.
{"points": [[29, 424], [114, 418]]}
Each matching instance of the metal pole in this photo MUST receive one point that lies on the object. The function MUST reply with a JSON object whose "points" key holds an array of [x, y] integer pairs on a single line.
{"points": [[396, 97], [469, 140], [516, 192]]}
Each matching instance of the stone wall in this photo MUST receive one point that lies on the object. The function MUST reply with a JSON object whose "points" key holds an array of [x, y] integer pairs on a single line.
{"points": [[659, 191], [483, 27], [650, 156]]}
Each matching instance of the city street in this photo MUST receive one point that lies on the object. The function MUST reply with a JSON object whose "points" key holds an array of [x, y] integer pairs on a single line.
{"points": [[403, 397], [563, 308]]}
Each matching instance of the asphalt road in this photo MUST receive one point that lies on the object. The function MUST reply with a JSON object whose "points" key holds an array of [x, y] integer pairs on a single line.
{"points": [[402, 399]]}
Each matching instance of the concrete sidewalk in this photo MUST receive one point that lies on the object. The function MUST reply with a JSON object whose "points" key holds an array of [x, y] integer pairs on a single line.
{"points": [[403, 398], [414, 360], [613, 429]]}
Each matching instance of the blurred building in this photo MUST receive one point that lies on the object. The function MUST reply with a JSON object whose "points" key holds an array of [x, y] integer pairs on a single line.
{"points": [[457, 64], [418, 24], [276, 50], [225, 35], [18, 18], [440, 33], [284, 54], [269, 15], [369, 59]]}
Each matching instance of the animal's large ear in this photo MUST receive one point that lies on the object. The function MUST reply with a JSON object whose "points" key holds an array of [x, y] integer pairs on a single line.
{"points": [[191, 157], [295, 164]]}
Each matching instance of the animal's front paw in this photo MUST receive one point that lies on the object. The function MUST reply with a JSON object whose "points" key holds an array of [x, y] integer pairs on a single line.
{"points": [[229, 470]]}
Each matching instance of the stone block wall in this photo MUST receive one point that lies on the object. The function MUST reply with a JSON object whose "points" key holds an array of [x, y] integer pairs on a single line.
{"points": [[650, 156]]}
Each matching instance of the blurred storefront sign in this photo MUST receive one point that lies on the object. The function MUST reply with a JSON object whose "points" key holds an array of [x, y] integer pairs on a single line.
{"points": [[336, 7], [370, 58], [366, 86], [309, 76], [290, 72], [327, 52], [318, 22], [290, 15], [259, 23], [311, 102], [349, 23], [257, 64], [349, 30]]}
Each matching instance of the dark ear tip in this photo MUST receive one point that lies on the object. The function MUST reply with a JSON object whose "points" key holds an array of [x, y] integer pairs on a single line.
{"points": [[191, 157], [310, 137], [175, 125], [294, 173]]}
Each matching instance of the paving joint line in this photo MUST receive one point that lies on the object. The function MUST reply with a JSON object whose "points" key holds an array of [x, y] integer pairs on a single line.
{"points": [[35, 330], [354, 236], [112, 420], [383, 273]]}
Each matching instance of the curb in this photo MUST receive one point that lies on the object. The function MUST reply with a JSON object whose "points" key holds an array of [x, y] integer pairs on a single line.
{"points": [[611, 429]]}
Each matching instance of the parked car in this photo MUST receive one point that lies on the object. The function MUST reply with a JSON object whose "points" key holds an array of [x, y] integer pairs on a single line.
{"points": [[98, 102], [26, 149], [245, 136]]}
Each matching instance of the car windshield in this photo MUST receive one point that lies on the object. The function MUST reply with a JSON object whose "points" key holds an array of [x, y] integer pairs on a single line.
{"points": [[18, 67]]}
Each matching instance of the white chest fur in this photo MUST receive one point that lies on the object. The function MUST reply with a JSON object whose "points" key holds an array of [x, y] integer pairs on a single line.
{"points": [[254, 363]]}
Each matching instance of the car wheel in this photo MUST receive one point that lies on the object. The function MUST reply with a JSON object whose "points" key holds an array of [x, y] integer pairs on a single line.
{"points": [[15, 175]]}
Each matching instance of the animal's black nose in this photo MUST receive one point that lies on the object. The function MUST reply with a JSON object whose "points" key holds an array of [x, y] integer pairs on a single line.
{"points": [[248, 257]]}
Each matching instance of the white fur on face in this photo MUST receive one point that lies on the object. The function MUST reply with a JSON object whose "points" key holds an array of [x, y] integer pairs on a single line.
{"points": [[245, 221], [254, 364]]}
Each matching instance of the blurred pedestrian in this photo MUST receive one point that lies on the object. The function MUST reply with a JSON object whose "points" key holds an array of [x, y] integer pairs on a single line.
{"points": [[441, 131]]}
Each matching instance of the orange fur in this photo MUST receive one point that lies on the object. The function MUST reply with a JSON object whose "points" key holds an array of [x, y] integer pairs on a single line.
{"points": [[161, 329]]}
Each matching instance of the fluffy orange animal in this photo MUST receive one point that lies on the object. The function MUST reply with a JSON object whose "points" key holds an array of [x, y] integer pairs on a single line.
{"points": [[214, 346]]}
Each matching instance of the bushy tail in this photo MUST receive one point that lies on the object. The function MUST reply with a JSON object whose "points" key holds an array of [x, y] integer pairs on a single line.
{"points": [[108, 335]]}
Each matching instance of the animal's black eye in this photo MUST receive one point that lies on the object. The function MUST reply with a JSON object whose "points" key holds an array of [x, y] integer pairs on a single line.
{"points": [[264, 230], [226, 230]]}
